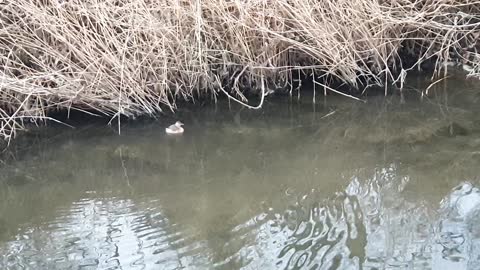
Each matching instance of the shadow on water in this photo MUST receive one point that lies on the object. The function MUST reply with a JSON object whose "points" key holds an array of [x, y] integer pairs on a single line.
{"points": [[389, 184]]}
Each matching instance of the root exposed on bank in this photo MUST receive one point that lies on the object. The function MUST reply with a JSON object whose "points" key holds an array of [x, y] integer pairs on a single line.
{"points": [[137, 57]]}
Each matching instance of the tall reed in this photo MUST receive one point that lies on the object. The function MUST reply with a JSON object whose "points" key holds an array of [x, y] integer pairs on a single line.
{"points": [[134, 57]]}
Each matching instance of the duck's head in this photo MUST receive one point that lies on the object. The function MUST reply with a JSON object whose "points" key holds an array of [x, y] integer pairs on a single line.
{"points": [[178, 124]]}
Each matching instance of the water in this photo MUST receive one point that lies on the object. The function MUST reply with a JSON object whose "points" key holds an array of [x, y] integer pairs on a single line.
{"points": [[389, 184]]}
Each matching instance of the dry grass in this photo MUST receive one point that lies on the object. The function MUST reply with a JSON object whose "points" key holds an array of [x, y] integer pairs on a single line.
{"points": [[132, 57]]}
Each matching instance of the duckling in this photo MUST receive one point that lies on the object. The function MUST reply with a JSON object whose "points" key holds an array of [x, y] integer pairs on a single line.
{"points": [[175, 128]]}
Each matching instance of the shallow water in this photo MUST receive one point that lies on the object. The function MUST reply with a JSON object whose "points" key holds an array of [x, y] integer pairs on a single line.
{"points": [[388, 184]]}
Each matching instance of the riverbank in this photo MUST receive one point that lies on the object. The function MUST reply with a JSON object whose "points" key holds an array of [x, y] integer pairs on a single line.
{"points": [[142, 57]]}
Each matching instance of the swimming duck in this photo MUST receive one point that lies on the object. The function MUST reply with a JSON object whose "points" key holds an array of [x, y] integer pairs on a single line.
{"points": [[175, 128]]}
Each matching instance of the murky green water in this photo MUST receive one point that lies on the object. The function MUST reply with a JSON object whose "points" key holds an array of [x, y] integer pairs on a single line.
{"points": [[340, 185]]}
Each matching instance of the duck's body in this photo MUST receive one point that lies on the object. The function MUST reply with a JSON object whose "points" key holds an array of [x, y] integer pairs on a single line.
{"points": [[175, 128]]}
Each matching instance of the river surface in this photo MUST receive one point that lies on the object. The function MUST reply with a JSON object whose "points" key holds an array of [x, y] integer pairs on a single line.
{"points": [[392, 183]]}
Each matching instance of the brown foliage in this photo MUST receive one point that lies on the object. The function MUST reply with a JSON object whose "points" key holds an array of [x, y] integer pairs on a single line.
{"points": [[134, 57]]}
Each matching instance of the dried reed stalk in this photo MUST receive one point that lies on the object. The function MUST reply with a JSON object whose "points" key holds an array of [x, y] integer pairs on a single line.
{"points": [[133, 57]]}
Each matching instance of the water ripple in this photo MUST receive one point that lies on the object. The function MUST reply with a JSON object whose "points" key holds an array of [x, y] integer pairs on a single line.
{"points": [[102, 234], [369, 225]]}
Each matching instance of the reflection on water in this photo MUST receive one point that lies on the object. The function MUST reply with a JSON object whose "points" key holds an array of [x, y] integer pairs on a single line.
{"points": [[382, 185]]}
